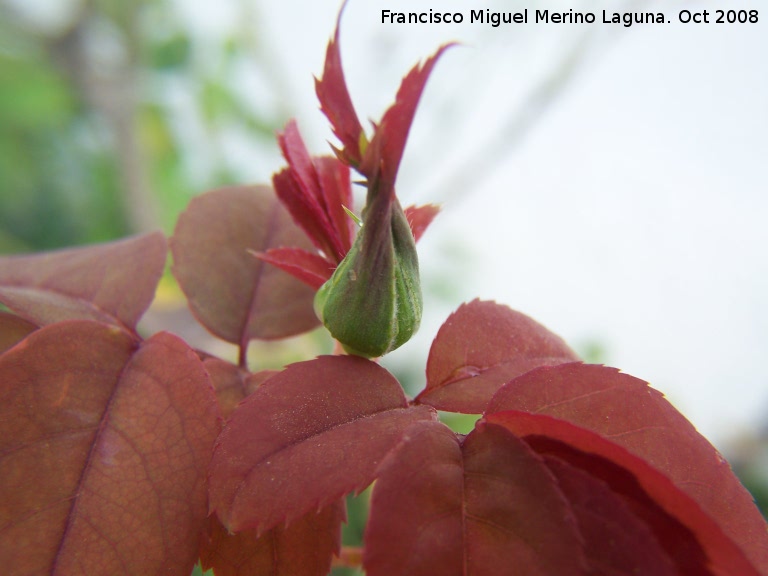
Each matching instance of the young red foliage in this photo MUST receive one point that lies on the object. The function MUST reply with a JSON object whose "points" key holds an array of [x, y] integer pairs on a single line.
{"points": [[233, 383], [382, 156], [616, 541], [626, 411], [107, 440], [234, 295], [304, 548], [312, 269], [315, 192], [481, 347], [691, 539], [482, 505], [105, 446], [112, 283], [337, 416], [378, 160], [420, 217], [336, 103], [13, 329]]}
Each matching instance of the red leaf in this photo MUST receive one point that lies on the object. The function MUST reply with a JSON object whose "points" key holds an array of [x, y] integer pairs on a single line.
{"points": [[335, 417], [310, 268], [336, 187], [690, 536], [616, 542], [315, 202], [232, 383], [420, 217], [305, 548], [487, 505], [13, 329], [235, 296], [480, 347], [104, 450], [336, 103], [629, 413], [380, 159], [382, 156], [112, 283]]}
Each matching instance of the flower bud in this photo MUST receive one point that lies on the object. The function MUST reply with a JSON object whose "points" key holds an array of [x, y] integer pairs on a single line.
{"points": [[372, 303]]}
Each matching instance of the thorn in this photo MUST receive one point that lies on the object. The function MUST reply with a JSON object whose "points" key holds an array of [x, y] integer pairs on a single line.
{"points": [[354, 216]]}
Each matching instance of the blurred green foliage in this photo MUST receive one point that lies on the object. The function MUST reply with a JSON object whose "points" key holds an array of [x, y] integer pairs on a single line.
{"points": [[757, 485], [198, 571], [93, 142], [352, 531], [54, 188]]}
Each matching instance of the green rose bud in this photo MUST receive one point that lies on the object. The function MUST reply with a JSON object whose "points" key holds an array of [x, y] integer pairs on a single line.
{"points": [[372, 304]]}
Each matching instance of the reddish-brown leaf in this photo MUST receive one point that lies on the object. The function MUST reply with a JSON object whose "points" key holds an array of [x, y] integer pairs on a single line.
{"points": [[315, 190], [336, 186], [309, 267], [112, 283], [305, 548], [616, 541], [336, 103], [13, 329], [487, 505], [420, 217], [381, 160], [691, 538], [306, 437], [626, 411], [236, 296], [232, 383], [480, 347], [104, 447]]}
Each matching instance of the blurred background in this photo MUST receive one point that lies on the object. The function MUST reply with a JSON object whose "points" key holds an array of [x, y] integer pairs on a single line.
{"points": [[610, 182]]}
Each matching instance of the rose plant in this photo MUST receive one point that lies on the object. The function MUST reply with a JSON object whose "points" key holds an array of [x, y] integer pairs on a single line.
{"points": [[126, 454]]}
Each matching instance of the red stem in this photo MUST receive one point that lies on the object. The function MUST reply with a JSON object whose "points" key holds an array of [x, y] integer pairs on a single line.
{"points": [[242, 356]]}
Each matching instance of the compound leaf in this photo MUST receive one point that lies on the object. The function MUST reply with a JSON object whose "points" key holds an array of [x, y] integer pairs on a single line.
{"points": [[616, 541], [336, 103], [305, 548], [631, 414], [112, 283], [484, 505], [304, 438], [13, 329], [234, 295], [232, 383], [479, 348], [691, 538], [104, 447]]}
